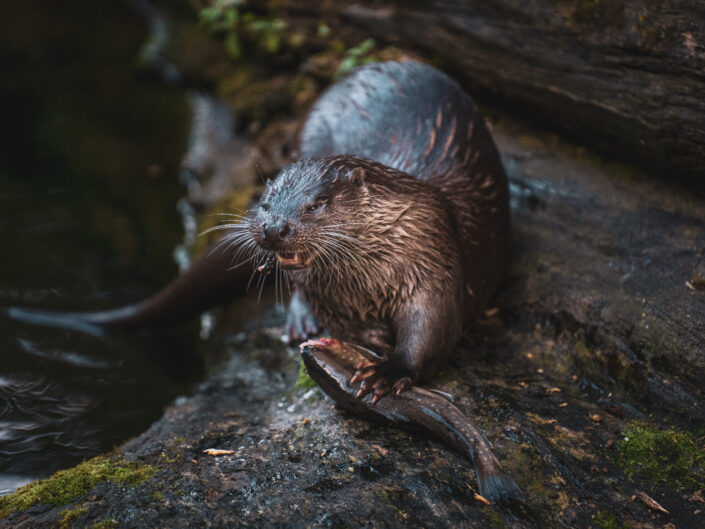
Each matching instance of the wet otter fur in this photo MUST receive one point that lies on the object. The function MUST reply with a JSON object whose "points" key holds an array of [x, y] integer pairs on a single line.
{"points": [[394, 227]]}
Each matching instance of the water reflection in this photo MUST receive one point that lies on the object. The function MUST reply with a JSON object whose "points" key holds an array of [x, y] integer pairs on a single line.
{"points": [[88, 220]]}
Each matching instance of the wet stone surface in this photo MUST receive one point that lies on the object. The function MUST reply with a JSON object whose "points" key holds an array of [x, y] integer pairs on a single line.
{"points": [[558, 376], [585, 374]]}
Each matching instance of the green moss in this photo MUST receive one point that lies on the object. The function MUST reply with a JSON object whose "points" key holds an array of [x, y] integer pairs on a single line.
{"points": [[608, 521], [224, 18], [304, 381], [662, 456], [69, 516], [157, 496], [67, 485], [356, 56], [105, 524], [267, 31]]}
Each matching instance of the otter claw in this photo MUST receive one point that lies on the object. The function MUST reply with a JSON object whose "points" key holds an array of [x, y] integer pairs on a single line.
{"points": [[402, 385], [380, 388], [373, 380], [363, 371]]}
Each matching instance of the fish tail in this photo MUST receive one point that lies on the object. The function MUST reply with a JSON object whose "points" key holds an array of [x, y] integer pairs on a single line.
{"points": [[498, 487]]}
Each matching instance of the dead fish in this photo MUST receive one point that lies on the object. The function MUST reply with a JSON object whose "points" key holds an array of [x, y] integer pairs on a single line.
{"points": [[331, 364]]}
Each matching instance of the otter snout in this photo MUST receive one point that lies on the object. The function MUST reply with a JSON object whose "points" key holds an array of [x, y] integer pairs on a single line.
{"points": [[276, 231], [277, 235]]}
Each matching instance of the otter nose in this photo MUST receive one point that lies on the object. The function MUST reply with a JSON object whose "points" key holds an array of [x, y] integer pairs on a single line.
{"points": [[276, 231]]}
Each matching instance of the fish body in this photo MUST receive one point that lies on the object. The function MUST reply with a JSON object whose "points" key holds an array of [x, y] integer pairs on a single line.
{"points": [[331, 364]]}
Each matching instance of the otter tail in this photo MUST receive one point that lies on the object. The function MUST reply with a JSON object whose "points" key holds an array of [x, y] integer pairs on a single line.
{"points": [[211, 280]]}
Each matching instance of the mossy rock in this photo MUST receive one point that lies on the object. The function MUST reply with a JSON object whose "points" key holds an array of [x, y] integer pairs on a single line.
{"points": [[68, 485], [608, 521], [662, 456], [303, 381], [105, 524], [70, 516]]}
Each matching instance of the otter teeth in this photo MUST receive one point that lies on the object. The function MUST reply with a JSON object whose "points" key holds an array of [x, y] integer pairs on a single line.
{"points": [[289, 258]]}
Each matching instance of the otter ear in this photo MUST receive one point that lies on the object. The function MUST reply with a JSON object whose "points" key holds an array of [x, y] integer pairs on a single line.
{"points": [[357, 176]]}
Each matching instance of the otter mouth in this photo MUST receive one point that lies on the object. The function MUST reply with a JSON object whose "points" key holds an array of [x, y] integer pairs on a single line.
{"points": [[292, 260]]}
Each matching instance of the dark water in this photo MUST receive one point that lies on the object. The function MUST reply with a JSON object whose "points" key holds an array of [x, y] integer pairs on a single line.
{"points": [[89, 149]]}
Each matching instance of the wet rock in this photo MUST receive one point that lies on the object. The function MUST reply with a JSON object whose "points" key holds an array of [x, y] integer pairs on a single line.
{"points": [[599, 261], [594, 336]]}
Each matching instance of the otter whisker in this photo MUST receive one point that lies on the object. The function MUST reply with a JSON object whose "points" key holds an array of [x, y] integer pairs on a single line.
{"points": [[238, 265], [326, 256], [337, 253], [257, 264], [237, 238], [223, 243], [245, 224], [285, 275], [350, 243], [244, 249], [230, 215], [353, 255], [276, 282], [261, 281]]}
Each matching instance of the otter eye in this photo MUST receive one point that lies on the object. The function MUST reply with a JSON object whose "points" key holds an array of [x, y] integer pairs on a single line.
{"points": [[313, 208]]}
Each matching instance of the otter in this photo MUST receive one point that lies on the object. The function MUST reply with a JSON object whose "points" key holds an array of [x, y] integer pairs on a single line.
{"points": [[394, 225], [393, 228]]}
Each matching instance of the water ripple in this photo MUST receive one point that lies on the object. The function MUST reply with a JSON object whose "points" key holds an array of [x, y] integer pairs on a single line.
{"points": [[67, 357]]}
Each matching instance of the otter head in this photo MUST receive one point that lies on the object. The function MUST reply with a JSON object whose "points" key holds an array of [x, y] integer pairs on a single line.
{"points": [[308, 210]]}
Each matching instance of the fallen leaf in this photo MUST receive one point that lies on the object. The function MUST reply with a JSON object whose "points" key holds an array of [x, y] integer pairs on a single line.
{"points": [[650, 502], [595, 417], [382, 451], [217, 452], [482, 499]]}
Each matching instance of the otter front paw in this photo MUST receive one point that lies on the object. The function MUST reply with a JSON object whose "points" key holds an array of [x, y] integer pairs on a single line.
{"points": [[379, 378], [300, 322]]}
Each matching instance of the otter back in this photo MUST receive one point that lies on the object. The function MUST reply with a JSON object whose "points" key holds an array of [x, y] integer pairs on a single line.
{"points": [[413, 118]]}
